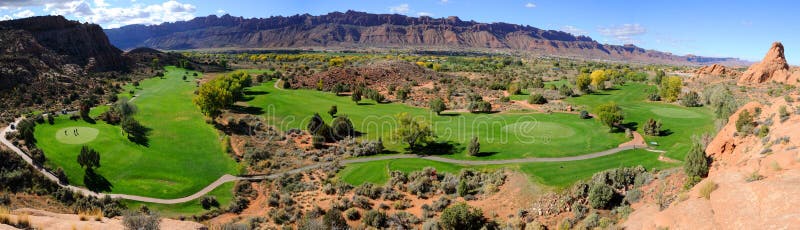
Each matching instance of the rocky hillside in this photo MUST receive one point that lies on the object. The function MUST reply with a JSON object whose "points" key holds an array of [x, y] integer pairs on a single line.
{"points": [[358, 30], [772, 68], [752, 182], [82, 44], [46, 61]]}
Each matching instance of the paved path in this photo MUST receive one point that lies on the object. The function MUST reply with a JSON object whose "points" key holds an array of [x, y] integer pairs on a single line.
{"points": [[637, 142]]}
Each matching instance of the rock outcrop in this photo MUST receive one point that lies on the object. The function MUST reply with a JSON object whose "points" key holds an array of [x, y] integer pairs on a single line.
{"points": [[772, 68], [755, 178], [716, 70], [354, 30]]}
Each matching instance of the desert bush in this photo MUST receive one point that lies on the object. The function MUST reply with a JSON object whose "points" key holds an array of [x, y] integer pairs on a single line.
{"points": [[783, 113], [333, 220], [440, 204], [754, 176], [402, 220], [652, 127], [369, 190], [140, 221], [696, 162], [462, 216], [691, 99], [600, 195], [585, 115], [352, 214], [537, 98], [361, 202], [375, 219], [209, 201]]}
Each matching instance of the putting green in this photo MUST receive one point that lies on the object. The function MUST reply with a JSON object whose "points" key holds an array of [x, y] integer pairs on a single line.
{"points": [[675, 113], [83, 135], [539, 129]]}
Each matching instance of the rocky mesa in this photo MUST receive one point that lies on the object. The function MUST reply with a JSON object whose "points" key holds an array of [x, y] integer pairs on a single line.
{"points": [[354, 30]]}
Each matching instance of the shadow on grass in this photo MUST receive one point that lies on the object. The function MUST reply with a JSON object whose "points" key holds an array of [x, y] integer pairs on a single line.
{"points": [[252, 110], [630, 125], [365, 103], [96, 182], [88, 119], [439, 148], [666, 132], [486, 154], [450, 114], [139, 136]]}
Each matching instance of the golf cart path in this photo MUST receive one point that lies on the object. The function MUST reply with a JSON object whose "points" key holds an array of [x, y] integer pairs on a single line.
{"points": [[636, 142]]}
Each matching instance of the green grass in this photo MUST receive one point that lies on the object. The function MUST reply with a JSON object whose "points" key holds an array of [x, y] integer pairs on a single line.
{"points": [[222, 193], [377, 172], [681, 121], [184, 153], [553, 174], [502, 136], [564, 174]]}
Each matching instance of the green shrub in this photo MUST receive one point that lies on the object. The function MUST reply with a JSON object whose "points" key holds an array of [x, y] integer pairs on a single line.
{"points": [[461, 216], [744, 123], [537, 99], [474, 147], [696, 163], [652, 127], [600, 195]]}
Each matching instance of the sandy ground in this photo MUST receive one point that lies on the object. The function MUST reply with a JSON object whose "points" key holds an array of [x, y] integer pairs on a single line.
{"points": [[48, 220]]}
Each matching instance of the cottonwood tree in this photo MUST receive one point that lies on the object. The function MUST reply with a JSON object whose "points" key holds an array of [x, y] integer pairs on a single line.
{"points": [[412, 132], [610, 114], [582, 82], [671, 88]]}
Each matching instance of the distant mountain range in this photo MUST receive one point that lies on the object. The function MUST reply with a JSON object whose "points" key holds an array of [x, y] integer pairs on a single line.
{"points": [[358, 30]]}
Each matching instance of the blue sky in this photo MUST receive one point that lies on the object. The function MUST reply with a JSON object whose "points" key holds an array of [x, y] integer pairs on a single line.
{"points": [[743, 29]]}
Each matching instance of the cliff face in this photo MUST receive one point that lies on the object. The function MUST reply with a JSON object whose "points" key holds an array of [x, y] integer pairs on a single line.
{"points": [[357, 29], [82, 44]]}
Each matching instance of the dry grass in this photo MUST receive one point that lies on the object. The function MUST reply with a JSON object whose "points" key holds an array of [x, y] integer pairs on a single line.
{"points": [[4, 218], [94, 213], [706, 188], [23, 222]]}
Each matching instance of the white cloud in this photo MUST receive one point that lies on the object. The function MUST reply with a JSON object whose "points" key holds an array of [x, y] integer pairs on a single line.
{"points": [[5, 17], [530, 5], [24, 14], [399, 9], [112, 17], [574, 30], [221, 12], [100, 3], [424, 14], [443, 1], [624, 33]]}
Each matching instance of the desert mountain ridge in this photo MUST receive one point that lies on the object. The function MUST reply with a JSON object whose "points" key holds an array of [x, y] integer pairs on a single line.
{"points": [[352, 30]]}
